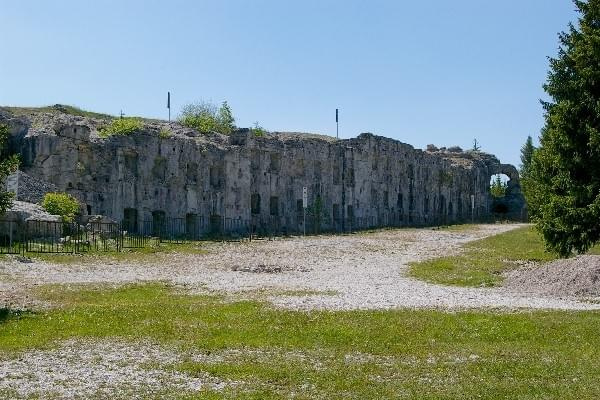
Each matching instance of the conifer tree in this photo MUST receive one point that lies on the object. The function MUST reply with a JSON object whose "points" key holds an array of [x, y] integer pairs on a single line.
{"points": [[564, 181]]}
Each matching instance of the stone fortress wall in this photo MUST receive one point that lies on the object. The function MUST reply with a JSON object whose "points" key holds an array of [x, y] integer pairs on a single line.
{"points": [[146, 175]]}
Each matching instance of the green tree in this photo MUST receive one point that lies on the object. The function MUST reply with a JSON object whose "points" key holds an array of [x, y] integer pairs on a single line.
{"points": [[258, 130], [527, 151], [498, 188], [225, 119], [205, 117], [526, 155], [62, 204], [8, 164], [564, 181], [200, 116]]}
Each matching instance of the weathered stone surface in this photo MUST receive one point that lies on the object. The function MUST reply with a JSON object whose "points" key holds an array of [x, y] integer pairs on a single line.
{"points": [[23, 211], [255, 178], [31, 189]]}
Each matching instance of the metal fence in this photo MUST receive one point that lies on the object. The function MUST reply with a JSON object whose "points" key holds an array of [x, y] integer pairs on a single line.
{"points": [[72, 237]]}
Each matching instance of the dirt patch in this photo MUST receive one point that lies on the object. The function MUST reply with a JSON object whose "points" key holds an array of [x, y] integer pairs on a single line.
{"points": [[573, 277]]}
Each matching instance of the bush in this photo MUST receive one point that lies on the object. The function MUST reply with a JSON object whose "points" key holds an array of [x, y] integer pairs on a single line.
{"points": [[122, 126], [165, 133], [62, 204], [206, 117], [258, 130]]}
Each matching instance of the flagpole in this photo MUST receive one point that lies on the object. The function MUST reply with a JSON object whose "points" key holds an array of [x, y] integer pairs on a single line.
{"points": [[337, 125], [169, 104]]}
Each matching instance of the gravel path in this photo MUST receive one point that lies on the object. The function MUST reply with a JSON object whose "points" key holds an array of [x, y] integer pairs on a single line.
{"points": [[100, 369], [362, 271]]}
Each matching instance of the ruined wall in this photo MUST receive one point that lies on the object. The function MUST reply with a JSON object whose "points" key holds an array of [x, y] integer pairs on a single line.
{"points": [[254, 178]]}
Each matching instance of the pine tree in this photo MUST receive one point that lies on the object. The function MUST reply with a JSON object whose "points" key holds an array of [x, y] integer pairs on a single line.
{"points": [[527, 151], [498, 188], [8, 164], [564, 181], [526, 154]]}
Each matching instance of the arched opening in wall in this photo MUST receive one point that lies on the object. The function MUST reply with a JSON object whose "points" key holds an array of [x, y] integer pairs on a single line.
{"points": [[498, 185], [499, 208], [498, 192]]}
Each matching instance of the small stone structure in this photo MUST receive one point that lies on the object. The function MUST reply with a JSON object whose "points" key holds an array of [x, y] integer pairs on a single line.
{"points": [[145, 175]]}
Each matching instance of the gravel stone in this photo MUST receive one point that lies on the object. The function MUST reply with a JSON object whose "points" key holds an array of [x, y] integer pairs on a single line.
{"points": [[103, 369], [573, 277], [363, 271]]}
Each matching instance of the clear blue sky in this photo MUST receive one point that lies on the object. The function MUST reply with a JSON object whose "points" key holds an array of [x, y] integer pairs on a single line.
{"points": [[437, 71]]}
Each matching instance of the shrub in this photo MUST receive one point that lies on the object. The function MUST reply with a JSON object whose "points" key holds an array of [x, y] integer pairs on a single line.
{"points": [[258, 130], [206, 117], [122, 126], [165, 133], [62, 204]]}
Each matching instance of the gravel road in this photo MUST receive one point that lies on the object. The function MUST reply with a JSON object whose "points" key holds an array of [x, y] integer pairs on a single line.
{"points": [[361, 271]]}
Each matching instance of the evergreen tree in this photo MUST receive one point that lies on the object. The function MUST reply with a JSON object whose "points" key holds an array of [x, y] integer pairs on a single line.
{"points": [[498, 188], [8, 164], [526, 154], [564, 181]]}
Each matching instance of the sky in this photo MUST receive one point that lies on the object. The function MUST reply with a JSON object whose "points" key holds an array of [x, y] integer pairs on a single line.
{"points": [[440, 71]]}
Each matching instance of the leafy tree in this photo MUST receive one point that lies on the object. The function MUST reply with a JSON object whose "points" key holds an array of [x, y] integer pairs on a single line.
{"points": [[8, 164], [225, 119], [200, 116], [564, 182], [258, 130], [498, 188], [62, 204], [205, 117]]}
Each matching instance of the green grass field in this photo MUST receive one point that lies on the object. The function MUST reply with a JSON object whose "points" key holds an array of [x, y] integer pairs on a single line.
{"points": [[483, 261], [336, 355]]}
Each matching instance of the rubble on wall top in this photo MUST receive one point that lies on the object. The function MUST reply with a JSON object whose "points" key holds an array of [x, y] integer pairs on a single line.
{"points": [[53, 121]]}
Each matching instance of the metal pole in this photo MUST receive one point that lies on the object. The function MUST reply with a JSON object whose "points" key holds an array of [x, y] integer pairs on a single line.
{"points": [[169, 104], [337, 125]]}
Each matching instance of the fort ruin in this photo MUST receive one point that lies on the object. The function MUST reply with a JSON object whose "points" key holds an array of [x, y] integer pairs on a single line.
{"points": [[149, 176]]}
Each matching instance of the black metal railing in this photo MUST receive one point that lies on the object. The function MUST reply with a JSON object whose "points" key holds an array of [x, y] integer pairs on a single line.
{"points": [[71, 237]]}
